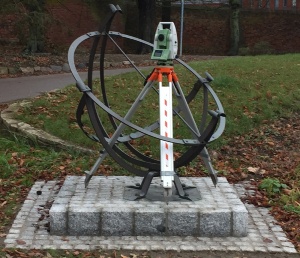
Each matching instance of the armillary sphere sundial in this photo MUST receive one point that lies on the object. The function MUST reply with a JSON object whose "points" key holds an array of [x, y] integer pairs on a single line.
{"points": [[119, 134]]}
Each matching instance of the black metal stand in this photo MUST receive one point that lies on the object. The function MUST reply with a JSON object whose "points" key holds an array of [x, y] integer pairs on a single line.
{"points": [[146, 182], [144, 187]]}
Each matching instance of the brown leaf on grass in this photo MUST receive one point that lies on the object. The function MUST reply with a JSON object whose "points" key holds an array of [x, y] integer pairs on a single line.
{"points": [[14, 154], [76, 253], [49, 255], [286, 191], [35, 254], [21, 162], [271, 143], [256, 170], [20, 242], [253, 169]]}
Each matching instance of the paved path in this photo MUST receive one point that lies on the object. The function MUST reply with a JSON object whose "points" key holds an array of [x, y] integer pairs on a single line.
{"points": [[12, 89]]}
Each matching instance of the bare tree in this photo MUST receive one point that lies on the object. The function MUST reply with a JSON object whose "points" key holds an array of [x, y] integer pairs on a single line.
{"points": [[146, 17], [234, 26]]}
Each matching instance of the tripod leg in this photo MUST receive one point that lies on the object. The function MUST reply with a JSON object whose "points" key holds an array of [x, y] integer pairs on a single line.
{"points": [[146, 184], [95, 167], [179, 188], [207, 161]]}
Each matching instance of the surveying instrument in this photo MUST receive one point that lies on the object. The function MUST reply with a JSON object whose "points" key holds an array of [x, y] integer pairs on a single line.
{"points": [[119, 143]]}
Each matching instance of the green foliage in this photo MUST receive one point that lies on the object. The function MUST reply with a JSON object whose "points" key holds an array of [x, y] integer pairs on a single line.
{"points": [[292, 208], [244, 51], [262, 48], [272, 186], [291, 199]]}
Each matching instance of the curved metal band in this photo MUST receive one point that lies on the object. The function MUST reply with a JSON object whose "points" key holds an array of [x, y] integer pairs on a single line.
{"points": [[222, 122], [114, 151]]}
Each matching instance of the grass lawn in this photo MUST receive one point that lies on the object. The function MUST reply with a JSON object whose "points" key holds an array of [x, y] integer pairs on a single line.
{"points": [[251, 89]]}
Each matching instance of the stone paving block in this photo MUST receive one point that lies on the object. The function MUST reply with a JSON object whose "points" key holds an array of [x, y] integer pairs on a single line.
{"points": [[182, 222], [58, 219], [82, 221], [239, 221], [117, 221], [215, 223], [149, 222]]}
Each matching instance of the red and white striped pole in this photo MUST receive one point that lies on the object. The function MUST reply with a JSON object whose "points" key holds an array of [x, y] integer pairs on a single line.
{"points": [[166, 129]]}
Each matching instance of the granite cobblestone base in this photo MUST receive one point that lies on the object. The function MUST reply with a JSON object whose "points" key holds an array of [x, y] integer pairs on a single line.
{"points": [[30, 231], [100, 209]]}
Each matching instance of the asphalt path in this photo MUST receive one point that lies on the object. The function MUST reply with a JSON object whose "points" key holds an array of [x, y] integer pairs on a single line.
{"points": [[13, 89]]}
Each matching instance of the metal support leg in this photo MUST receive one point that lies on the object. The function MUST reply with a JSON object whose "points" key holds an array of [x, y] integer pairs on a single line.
{"points": [[95, 167], [180, 190], [144, 187], [207, 161]]}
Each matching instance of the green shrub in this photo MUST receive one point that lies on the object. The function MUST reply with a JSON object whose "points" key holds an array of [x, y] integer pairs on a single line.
{"points": [[271, 186], [262, 48]]}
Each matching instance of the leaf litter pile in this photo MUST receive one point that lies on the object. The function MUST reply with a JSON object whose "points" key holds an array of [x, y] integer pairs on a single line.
{"points": [[270, 158]]}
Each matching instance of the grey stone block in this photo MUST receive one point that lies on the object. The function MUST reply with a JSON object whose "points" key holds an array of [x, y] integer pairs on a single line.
{"points": [[96, 64], [239, 221], [12, 70], [149, 222], [27, 69], [3, 70], [56, 68], [212, 216], [183, 222], [215, 223], [83, 221], [81, 66], [46, 69], [66, 67], [117, 221], [58, 219]]}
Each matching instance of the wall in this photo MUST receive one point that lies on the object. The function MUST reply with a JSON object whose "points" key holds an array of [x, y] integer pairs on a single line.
{"points": [[73, 20], [271, 4], [280, 29], [206, 32], [7, 29]]}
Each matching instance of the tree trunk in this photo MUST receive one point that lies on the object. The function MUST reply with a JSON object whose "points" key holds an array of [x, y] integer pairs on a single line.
{"points": [[146, 18], [234, 28]]}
